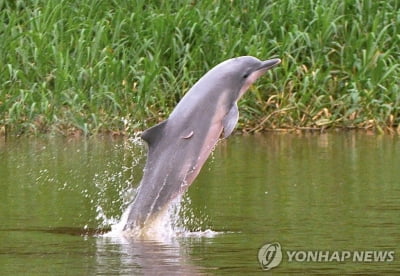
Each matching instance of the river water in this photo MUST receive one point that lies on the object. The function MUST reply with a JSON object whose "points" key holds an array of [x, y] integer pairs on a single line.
{"points": [[334, 195]]}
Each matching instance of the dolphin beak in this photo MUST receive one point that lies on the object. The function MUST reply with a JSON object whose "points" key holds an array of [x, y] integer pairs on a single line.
{"points": [[265, 65], [268, 64]]}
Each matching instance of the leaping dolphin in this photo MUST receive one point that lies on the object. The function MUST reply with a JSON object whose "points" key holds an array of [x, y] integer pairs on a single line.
{"points": [[179, 146]]}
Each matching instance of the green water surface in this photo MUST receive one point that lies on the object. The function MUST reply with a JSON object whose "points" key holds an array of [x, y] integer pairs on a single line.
{"points": [[316, 192]]}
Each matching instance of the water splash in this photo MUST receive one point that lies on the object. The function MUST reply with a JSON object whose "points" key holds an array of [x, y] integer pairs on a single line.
{"points": [[179, 220], [108, 209]]}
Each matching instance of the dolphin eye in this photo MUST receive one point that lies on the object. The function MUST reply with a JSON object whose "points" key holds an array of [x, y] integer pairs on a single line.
{"points": [[245, 75]]}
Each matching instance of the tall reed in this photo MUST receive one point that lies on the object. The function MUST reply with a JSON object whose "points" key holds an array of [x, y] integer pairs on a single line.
{"points": [[93, 66]]}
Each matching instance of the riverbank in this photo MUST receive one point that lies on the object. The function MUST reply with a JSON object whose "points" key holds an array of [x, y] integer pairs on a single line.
{"points": [[97, 67]]}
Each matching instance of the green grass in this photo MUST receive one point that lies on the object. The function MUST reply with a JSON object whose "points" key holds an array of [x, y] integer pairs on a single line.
{"points": [[90, 66]]}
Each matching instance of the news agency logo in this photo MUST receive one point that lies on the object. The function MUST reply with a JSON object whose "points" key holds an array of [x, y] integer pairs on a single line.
{"points": [[270, 255]]}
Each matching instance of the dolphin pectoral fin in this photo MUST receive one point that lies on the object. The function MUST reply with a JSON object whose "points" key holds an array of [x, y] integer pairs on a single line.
{"points": [[153, 134], [230, 120]]}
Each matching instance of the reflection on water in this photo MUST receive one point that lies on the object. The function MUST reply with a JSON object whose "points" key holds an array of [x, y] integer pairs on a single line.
{"points": [[132, 257], [307, 192]]}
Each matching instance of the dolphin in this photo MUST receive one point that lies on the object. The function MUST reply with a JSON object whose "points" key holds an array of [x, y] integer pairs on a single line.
{"points": [[179, 146]]}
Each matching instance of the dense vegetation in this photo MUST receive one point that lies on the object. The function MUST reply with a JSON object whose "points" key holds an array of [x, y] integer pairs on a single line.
{"points": [[100, 65]]}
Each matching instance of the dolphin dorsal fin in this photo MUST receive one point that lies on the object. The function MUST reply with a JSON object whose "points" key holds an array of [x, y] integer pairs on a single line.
{"points": [[154, 133]]}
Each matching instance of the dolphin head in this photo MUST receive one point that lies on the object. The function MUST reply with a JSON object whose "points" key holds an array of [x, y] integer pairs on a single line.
{"points": [[237, 74], [243, 71]]}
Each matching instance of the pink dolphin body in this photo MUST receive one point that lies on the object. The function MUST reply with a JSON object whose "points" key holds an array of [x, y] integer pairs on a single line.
{"points": [[179, 146]]}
